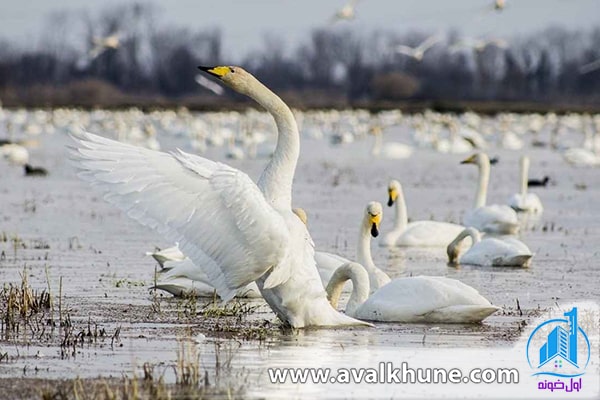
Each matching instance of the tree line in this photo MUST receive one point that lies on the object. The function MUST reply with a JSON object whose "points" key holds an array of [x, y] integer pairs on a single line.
{"points": [[154, 59]]}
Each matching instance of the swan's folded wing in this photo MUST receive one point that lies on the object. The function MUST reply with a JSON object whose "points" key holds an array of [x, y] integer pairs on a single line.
{"points": [[218, 215]]}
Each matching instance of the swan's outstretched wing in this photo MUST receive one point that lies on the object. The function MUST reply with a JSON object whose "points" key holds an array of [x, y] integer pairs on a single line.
{"points": [[406, 50], [216, 213], [429, 42]]}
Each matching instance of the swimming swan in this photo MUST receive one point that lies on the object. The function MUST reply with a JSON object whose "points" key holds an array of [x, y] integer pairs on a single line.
{"points": [[391, 150], [328, 263], [527, 202], [490, 219], [489, 251], [414, 299], [238, 231], [418, 233]]}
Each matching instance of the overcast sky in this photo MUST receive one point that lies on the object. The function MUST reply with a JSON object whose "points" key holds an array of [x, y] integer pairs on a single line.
{"points": [[245, 22]]}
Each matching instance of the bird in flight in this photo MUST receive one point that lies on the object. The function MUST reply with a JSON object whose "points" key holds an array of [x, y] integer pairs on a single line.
{"points": [[208, 84], [345, 13], [418, 52], [477, 45], [101, 44], [589, 67]]}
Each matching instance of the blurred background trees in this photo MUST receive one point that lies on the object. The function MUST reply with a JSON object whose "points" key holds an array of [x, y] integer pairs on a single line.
{"points": [[153, 60]]}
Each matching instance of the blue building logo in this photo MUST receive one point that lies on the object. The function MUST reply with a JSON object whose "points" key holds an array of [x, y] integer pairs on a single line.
{"points": [[564, 350]]}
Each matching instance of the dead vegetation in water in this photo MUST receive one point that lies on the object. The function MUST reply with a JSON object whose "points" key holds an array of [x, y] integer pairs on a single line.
{"points": [[126, 388]]}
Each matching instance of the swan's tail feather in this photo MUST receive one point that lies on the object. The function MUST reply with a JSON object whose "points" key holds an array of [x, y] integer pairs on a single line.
{"points": [[520, 260], [462, 314]]}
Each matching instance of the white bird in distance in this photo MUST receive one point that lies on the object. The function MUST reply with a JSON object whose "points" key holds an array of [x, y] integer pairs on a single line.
{"points": [[418, 52], [589, 67], [210, 85], [345, 13], [101, 44], [477, 45]]}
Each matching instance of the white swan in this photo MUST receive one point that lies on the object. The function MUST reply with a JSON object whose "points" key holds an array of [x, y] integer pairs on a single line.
{"points": [[413, 299], [184, 278], [391, 150], [327, 263], [237, 231], [15, 154], [490, 219], [528, 202], [418, 233], [181, 277], [489, 251]]}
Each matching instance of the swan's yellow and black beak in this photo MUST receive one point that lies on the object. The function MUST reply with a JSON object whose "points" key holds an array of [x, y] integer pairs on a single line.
{"points": [[218, 72], [392, 196], [374, 220], [300, 213], [470, 160]]}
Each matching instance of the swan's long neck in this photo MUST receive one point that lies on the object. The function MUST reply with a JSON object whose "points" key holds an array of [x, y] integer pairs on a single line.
{"points": [[276, 180], [524, 175], [400, 213], [484, 179], [377, 144], [453, 247], [360, 286], [364, 246]]}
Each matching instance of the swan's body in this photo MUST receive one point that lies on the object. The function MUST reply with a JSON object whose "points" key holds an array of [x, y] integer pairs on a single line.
{"points": [[587, 155], [523, 201], [418, 233], [581, 157], [488, 218], [239, 232], [391, 150], [505, 252], [15, 154], [412, 299]]}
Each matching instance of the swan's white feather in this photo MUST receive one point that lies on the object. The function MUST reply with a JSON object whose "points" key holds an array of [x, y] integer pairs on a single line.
{"points": [[493, 219], [498, 252], [426, 299], [194, 201]]}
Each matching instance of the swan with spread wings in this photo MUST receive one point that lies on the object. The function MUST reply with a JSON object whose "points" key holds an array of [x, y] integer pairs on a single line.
{"points": [[235, 230]]}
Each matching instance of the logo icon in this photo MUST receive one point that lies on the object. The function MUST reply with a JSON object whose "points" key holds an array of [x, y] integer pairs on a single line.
{"points": [[559, 347]]}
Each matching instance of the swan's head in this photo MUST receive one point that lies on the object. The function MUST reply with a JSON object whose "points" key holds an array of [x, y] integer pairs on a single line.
{"points": [[477, 159], [394, 189], [373, 215], [375, 130], [302, 215], [236, 78]]}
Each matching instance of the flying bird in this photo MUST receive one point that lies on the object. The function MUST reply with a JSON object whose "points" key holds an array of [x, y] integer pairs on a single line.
{"points": [[477, 45], [210, 85], [589, 67], [345, 13], [101, 44], [418, 52]]}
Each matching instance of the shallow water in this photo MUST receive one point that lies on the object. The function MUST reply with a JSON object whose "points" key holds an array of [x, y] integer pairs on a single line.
{"points": [[99, 253]]}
